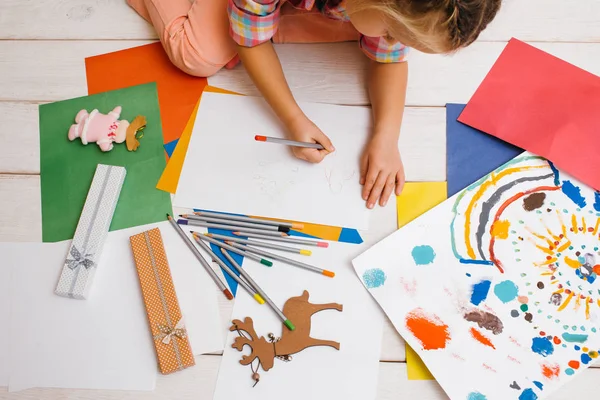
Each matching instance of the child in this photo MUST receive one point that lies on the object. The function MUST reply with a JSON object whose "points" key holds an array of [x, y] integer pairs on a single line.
{"points": [[204, 36]]}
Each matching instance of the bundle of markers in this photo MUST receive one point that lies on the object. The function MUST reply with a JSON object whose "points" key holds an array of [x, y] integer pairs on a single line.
{"points": [[260, 234]]}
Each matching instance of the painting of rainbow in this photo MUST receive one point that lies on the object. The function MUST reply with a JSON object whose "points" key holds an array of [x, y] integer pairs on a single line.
{"points": [[497, 288]]}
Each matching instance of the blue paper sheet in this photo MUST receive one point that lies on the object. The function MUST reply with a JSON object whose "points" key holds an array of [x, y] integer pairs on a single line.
{"points": [[471, 154]]}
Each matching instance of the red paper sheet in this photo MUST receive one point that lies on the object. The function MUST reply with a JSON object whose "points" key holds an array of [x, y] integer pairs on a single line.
{"points": [[178, 92], [542, 104]]}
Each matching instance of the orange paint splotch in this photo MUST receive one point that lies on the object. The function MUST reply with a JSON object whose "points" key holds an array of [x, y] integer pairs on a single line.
{"points": [[428, 329], [556, 340], [500, 229], [574, 364], [551, 371], [481, 338]]}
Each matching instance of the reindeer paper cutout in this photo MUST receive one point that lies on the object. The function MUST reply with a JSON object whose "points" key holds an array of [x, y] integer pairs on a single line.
{"points": [[299, 311]]}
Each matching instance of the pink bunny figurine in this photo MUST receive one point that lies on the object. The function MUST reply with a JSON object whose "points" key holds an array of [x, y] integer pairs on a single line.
{"points": [[104, 129]]}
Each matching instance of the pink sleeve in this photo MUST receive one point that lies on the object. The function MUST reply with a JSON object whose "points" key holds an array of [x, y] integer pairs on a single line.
{"points": [[253, 22], [380, 50]]}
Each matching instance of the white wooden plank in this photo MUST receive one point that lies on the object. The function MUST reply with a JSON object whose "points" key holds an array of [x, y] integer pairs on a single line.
{"points": [[422, 141], [72, 19], [536, 20], [329, 73], [21, 214], [546, 21], [434, 80], [47, 70], [199, 382]]}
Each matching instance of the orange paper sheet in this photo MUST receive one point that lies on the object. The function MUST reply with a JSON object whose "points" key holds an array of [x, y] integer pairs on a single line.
{"points": [[178, 92], [417, 198]]}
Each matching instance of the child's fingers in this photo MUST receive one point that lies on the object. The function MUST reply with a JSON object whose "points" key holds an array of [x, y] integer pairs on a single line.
{"points": [[364, 164], [370, 179], [400, 180], [387, 190], [377, 189], [325, 142]]}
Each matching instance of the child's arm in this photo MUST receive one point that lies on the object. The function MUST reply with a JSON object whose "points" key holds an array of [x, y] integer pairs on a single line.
{"points": [[264, 68], [381, 166]]}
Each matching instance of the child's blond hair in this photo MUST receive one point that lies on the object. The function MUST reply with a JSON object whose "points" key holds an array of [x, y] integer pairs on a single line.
{"points": [[441, 25]]}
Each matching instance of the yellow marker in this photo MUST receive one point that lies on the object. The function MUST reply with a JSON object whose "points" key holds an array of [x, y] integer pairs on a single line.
{"points": [[305, 252], [258, 299]]}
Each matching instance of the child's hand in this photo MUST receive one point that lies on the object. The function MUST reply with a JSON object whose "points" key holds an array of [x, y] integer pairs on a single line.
{"points": [[303, 129], [381, 170]]}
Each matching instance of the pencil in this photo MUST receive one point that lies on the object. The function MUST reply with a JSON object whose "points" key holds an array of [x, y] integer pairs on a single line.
{"points": [[192, 222], [225, 221], [233, 249], [251, 281], [204, 263], [261, 244], [283, 259], [225, 267], [287, 239], [260, 138], [292, 225]]}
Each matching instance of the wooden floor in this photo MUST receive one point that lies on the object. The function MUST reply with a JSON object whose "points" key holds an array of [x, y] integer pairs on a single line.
{"points": [[43, 44]]}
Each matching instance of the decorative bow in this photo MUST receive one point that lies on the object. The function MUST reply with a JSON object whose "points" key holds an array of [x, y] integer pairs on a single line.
{"points": [[166, 332], [79, 259]]}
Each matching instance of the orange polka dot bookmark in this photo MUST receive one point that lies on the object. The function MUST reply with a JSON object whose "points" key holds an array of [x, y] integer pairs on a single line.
{"points": [[164, 315]]}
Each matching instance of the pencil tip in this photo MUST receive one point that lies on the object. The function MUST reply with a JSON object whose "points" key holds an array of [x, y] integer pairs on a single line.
{"points": [[328, 273], [169, 216], [322, 244], [228, 294]]}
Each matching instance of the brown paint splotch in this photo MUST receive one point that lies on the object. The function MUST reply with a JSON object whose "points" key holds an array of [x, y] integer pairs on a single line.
{"points": [[428, 329], [551, 371], [534, 201], [485, 320], [481, 338]]}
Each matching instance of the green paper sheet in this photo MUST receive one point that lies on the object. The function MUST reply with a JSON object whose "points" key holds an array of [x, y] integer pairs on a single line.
{"points": [[67, 168]]}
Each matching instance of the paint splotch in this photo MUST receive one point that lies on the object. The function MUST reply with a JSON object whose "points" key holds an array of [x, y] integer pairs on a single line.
{"points": [[506, 291], [476, 396], [428, 329], [551, 371], [539, 385], [534, 201], [374, 278], [485, 320], [423, 255], [480, 337], [585, 358], [597, 201], [480, 291], [542, 346], [574, 338], [515, 385], [573, 193], [500, 229], [528, 394]]}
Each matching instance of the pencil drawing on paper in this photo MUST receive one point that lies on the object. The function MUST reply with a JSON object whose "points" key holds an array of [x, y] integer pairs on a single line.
{"points": [[516, 261]]}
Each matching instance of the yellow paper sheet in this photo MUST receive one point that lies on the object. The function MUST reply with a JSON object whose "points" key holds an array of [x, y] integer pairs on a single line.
{"points": [[416, 199], [170, 177]]}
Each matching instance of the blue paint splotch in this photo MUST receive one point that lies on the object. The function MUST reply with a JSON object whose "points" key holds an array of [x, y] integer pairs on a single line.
{"points": [[423, 255], [540, 385], [374, 277], [574, 338], [476, 396], [574, 193], [506, 291], [480, 292], [528, 394], [542, 346], [585, 358], [597, 201]]}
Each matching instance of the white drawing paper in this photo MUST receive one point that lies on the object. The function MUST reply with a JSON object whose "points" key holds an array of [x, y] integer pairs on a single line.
{"points": [[317, 372], [497, 288], [103, 342], [224, 156]]}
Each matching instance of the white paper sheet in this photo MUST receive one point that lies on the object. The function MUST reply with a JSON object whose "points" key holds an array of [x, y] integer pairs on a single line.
{"points": [[316, 372], [103, 342], [5, 272], [224, 157], [520, 247]]}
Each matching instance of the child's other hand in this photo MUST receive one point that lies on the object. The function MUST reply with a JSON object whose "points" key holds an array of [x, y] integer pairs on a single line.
{"points": [[303, 129], [381, 170]]}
